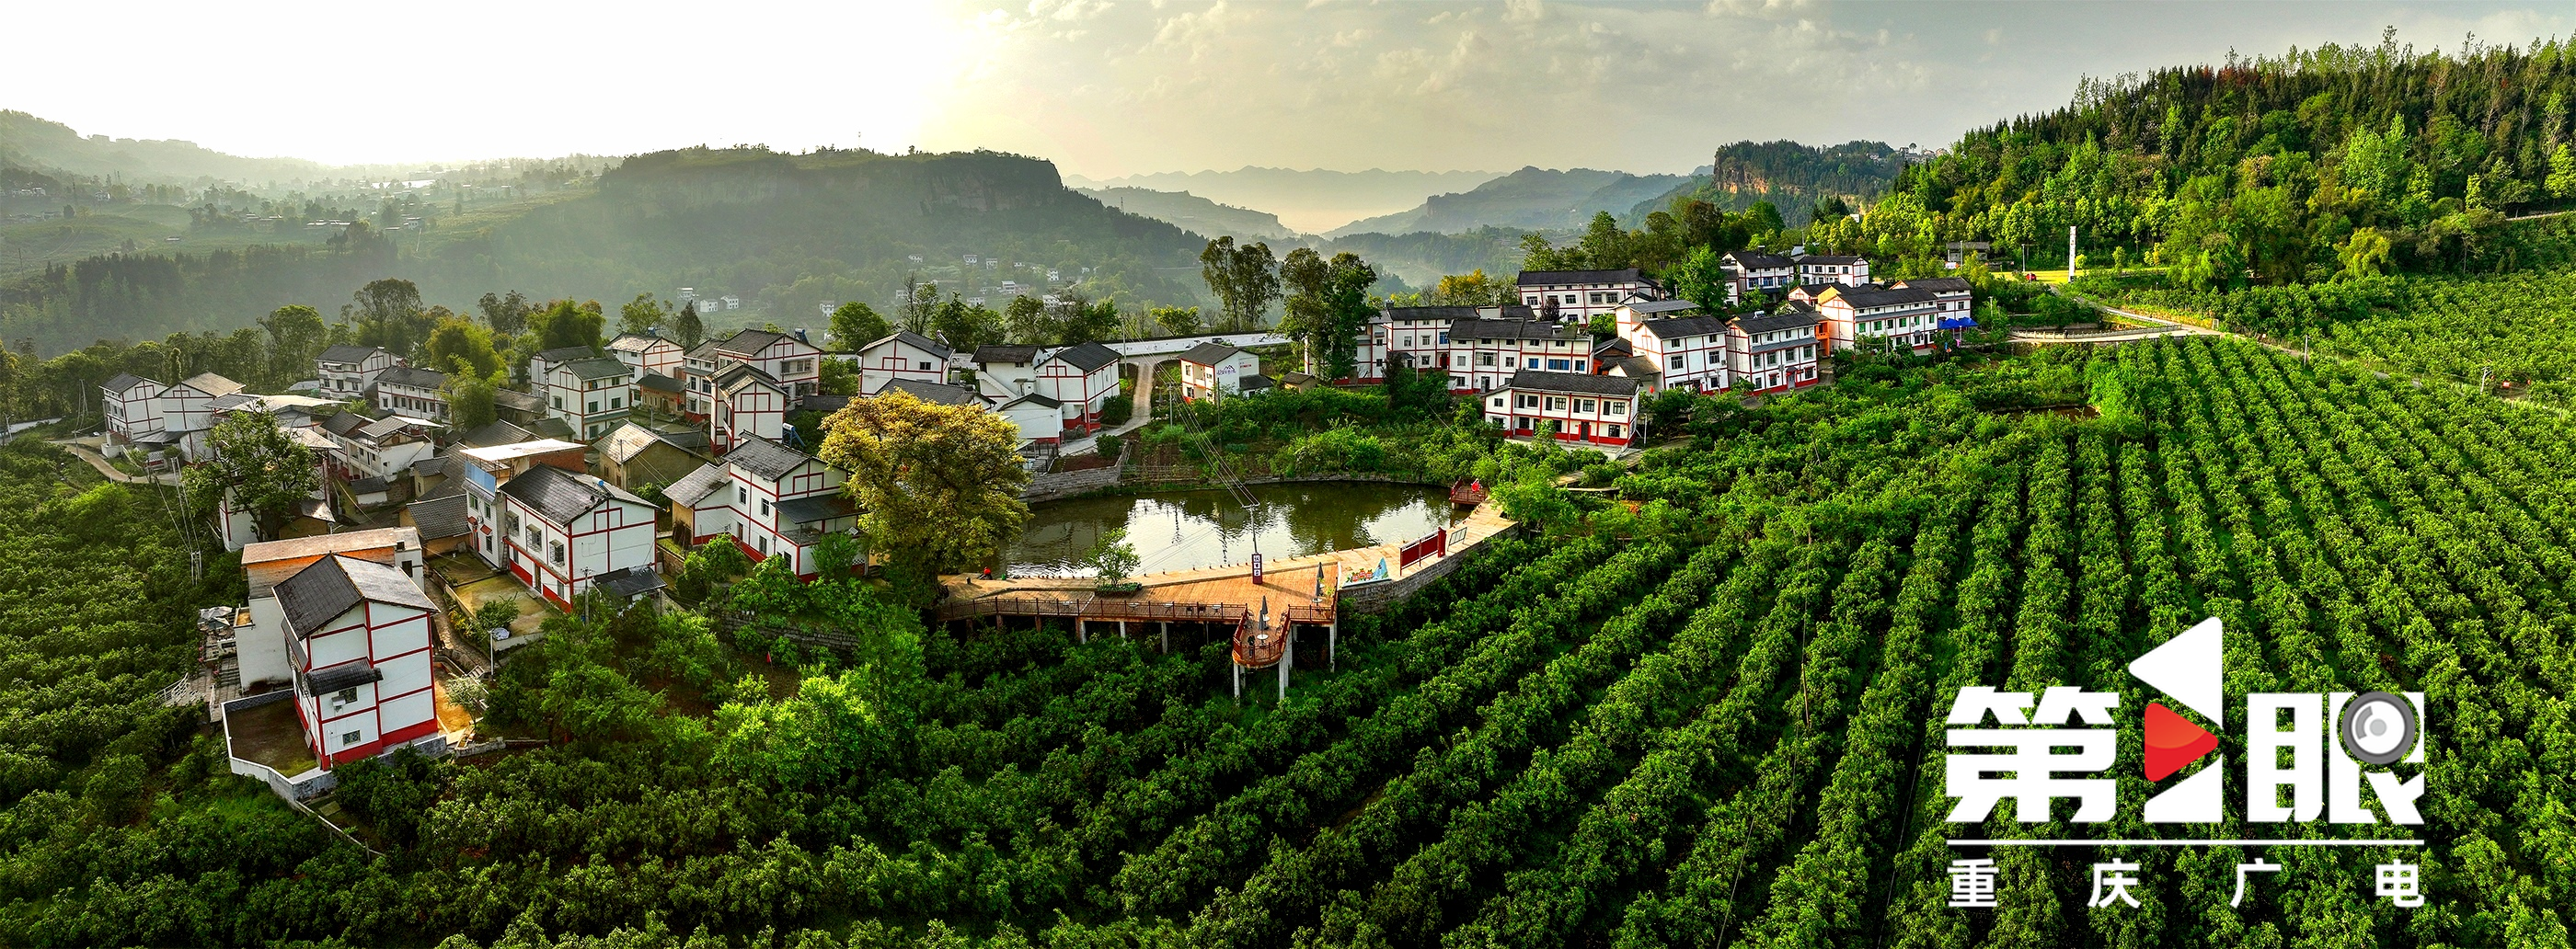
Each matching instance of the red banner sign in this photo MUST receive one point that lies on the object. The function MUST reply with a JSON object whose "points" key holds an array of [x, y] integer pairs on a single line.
{"points": [[1435, 545]]}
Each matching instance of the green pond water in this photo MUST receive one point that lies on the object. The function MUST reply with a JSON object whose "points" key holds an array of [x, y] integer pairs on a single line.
{"points": [[1185, 530]]}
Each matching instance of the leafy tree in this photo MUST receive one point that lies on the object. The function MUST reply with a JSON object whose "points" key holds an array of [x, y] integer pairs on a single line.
{"points": [[387, 313], [1245, 280], [1699, 278], [643, 315], [295, 336], [856, 324], [268, 474], [564, 323], [2365, 254], [1026, 320], [1474, 288], [1113, 557], [1177, 320], [938, 485], [462, 347], [507, 315], [687, 328], [838, 377], [1328, 308], [1080, 319], [473, 401], [966, 325], [920, 305]]}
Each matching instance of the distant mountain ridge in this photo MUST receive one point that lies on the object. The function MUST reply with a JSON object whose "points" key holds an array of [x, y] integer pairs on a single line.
{"points": [[1790, 175], [1532, 198], [37, 144], [1194, 214], [1310, 200]]}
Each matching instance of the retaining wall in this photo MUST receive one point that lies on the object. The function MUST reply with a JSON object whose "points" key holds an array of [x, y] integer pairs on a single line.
{"points": [[1050, 487], [1377, 597]]}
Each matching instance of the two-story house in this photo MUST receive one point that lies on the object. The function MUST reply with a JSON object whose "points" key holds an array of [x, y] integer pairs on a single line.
{"points": [[772, 499], [1006, 371], [1212, 369], [592, 395], [256, 654], [544, 362], [1593, 409], [346, 370], [1849, 271], [648, 355], [419, 393], [365, 448], [1484, 353], [747, 403], [358, 633], [1576, 295], [902, 355], [1083, 378], [479, 471], [132, 406], [1775, 352], [1686, 348], [1749, 272], [786, 357], [563, 531], [1903, 315]]}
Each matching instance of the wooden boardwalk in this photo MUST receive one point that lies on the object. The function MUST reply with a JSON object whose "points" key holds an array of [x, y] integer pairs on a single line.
{"points": [[1297, 590]]}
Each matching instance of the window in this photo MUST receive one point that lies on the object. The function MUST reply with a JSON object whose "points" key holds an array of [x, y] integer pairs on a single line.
{"points": [[344, 697], [925, 365], [1583, 406], [1484, 359], [535, 536], [764, 507], [741, 495], [350, 738], [1612, 432], [1510, 361], [1677, 360], [1556, 403], [555, 551], [1556, 364], [1578, 366], [1617, 407], [764, 545], [1498, 402], [558, 402], [616, 402], [1529, 401]]}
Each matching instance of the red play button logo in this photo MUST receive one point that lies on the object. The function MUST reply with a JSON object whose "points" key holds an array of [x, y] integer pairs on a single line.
{"points": [[2173, 741]]}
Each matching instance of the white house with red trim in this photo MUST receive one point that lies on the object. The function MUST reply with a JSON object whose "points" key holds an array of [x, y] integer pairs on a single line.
{"points": [[773, 500], [1006, 371], [746, 403], [347, 370], [419, 393], [1777, 351], [1082, 378], [1847, 270], [1906, 314], [1594, 410], [1686, 348], [257, 654], [561, 531], [132, 406], [648, 355], [1483, 353], [1213, 369], [903, 355], [786, 358], [1752, 271], [592, 394], [358, 633], [1577, 295]]}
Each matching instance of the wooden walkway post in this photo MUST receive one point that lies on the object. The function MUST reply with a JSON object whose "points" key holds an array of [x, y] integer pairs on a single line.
{"points": [[1167, 637], [1287, 657]]}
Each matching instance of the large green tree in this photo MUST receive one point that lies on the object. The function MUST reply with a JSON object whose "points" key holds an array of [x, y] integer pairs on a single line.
{"points": [[564, 323], [296, 335], [1328, 308], [937, 486], [857, 324], [1244, 278], [265, 472], [643, 315]]}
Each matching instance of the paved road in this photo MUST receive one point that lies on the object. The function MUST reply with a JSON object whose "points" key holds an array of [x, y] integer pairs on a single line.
{"points": [[100, 462]]}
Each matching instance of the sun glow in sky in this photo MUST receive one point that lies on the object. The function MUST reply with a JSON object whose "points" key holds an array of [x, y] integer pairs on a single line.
{"points": [[1109, 89]]}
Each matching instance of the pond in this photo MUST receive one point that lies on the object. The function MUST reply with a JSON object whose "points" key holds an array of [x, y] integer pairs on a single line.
{"points": [[1185, 530]]}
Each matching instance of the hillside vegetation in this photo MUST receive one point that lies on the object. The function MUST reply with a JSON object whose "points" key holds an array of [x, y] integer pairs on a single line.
{"points": [[1529, 198], [1790, 176]]}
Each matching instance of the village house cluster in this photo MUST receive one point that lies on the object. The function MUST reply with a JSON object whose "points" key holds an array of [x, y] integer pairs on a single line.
{"points": [[606, 461]]}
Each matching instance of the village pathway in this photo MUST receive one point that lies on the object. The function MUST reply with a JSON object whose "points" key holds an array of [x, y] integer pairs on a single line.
{"points": [[81, 448]]}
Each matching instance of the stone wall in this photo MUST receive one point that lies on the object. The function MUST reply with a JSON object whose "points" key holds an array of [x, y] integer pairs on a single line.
{"points": [[1050, 487], [1376, 597]]}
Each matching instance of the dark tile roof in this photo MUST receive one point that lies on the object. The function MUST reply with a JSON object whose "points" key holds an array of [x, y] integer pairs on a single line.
{"points": [[550, 427], [1088, 357], [345, 675], [1938, 284], [1637, 367], [659, 383], [1756, 260], [749, 343], [1555, 278], [595, 367], [224, 403], [742, 374], [630, 582], [516, 400], [1431, 313], [1514, 329], [347, 353], [766, 458], [916, 341], [1254, 382], [1612, 347], [1651, 307], [1860, 297], [414, 377], [1680, 326], [1575, 382], [694, 439], [1827, 259], [816, 509], [333, 585], [495, 433], [343, 423], [693, 487], [818, 402], [122, 381], [557, 495], [1006, 354], [212, 384], [1209, 353], [380, 428], [438, 517], [1780, 319], [564, 354], [936, 393], [1034, 399], [373, 484], [428, 466]]}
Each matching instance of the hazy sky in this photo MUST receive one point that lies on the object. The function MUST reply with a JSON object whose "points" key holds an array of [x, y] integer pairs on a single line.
{"points": [[1108, 89]]}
